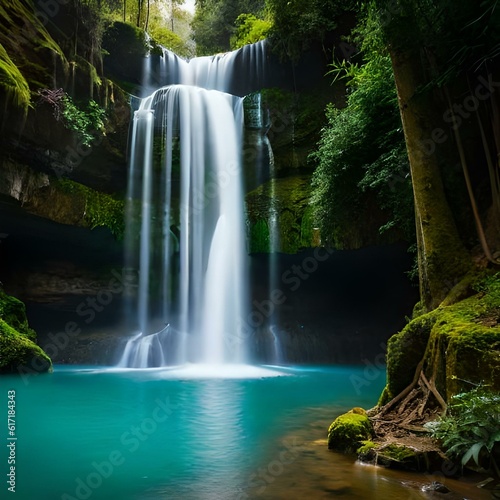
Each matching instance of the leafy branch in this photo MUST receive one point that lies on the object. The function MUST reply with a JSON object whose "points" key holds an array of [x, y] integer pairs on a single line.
{"points": [[471, 428]]}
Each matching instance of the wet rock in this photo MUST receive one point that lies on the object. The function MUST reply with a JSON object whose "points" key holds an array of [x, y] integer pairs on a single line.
{"points": [[436, 486], [348, 431], [403, 457]]}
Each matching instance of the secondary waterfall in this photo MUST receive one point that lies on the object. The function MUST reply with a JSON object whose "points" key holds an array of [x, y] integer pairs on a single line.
{"points": [[185, 218]]}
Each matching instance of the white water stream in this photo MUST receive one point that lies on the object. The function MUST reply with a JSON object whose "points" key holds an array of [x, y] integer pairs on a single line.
{"points": [[185, 224]]}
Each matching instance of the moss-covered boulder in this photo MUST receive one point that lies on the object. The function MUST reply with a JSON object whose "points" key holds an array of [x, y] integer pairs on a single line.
{"points": [[13, 312], [459, 342], [18, 351], [349, 431]]}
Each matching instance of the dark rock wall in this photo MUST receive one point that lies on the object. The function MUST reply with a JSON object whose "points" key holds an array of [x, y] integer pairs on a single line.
{"points": [[331, 306]]}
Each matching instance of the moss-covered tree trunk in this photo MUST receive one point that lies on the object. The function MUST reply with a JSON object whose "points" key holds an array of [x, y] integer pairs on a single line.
{"points": [[442, 258]]}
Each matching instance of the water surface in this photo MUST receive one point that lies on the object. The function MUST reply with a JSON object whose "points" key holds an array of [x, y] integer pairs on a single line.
{"points": [[97, 433]]}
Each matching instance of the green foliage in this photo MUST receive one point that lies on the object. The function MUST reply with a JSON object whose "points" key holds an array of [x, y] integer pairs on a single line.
{"points": [[85, 122], [362, 153], [297, 23], [101, 209], [470, 430], [13, 82], [124, 40], [487, 283], [461, 36], [171, 41], [249, 29], [214, 22], [307, 228]]}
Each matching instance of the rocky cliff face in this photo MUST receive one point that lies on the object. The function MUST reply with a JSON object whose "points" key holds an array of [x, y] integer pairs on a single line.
{"points": [[63, 143]]}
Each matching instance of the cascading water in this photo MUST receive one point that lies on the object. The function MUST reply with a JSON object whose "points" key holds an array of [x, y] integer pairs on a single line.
{"points": [[220, 72], [185, 217]]}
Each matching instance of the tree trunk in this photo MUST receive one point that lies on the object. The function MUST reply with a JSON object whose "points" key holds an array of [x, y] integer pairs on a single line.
{"points": [[139, 8], [147, 17], [443, 260]]}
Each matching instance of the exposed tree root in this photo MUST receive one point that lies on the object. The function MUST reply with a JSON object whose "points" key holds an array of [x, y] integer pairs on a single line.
{"points": [[418, 403]]}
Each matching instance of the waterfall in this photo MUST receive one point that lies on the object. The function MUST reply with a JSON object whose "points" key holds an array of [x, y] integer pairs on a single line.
{"points": [[185, 215], [222, 72]]}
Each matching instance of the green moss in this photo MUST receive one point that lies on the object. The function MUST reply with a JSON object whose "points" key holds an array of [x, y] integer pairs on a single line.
{"points": [[385, 397], [289, 232], [366, 447], [397, 453], [460, 342], [348, 431], [18, 350], [101, 209], [307, 228], [418, 310], [19, 353], [404, 352], [13, 11], [13, 312], [470, 331], [259, 237], [286, 199], [13, 82], [89, 69], [25, 39]]}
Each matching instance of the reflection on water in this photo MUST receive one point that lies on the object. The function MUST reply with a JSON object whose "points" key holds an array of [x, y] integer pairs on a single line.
{"points": [[319, 473], [147, 435]]}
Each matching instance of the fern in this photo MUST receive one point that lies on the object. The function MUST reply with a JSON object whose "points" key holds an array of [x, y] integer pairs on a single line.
{"points": [[471, 428]]}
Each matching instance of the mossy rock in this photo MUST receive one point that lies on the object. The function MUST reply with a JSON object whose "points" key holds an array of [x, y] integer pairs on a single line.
{"points": [[404, 351], [286, 200], [259, 237], [18, 354], [460, 342], [349, 431], [13, 312], [18, 351], [99, 209], [366, 451], [398, 456]]}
